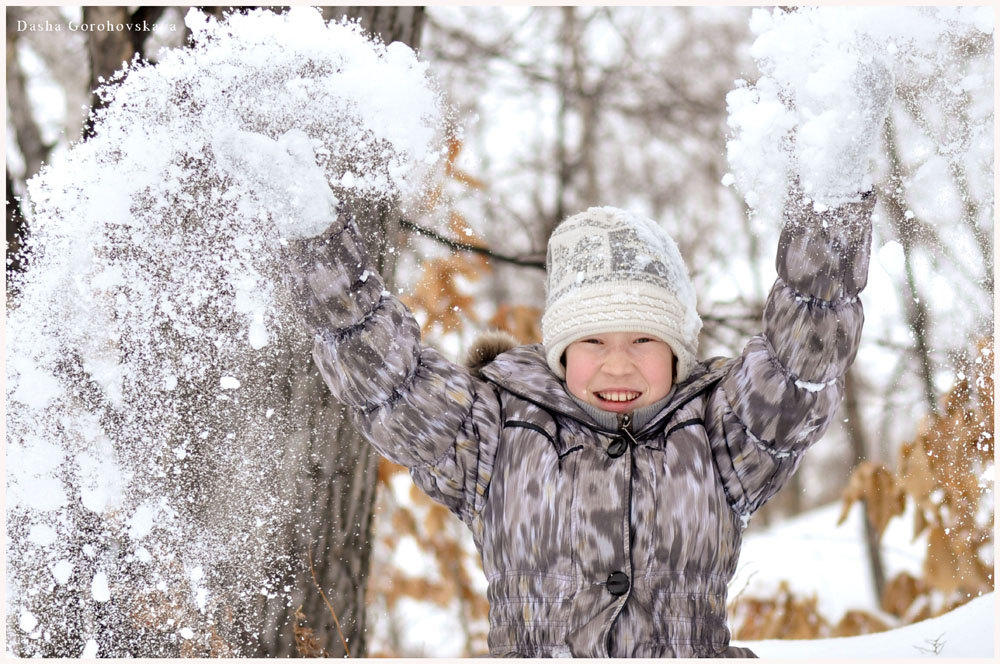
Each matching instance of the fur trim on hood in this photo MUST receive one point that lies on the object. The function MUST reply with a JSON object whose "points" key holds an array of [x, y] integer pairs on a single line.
{"points": [[487, 347]]}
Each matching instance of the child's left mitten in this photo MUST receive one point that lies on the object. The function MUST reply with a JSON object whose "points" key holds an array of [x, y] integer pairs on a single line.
{"points": [[834, 145]]}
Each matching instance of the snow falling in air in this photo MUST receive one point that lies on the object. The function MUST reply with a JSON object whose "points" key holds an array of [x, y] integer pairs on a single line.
{"points": [[811, 103], [149, 346]]}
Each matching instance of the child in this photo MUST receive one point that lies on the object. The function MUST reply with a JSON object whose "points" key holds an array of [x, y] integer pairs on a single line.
{"points": [[606, 474]]}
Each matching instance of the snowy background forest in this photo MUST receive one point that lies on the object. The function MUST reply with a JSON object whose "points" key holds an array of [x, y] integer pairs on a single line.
{"points": [[178, 481]]}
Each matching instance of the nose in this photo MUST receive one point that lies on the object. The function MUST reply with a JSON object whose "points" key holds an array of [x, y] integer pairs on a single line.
{"points": [[618, 363]]}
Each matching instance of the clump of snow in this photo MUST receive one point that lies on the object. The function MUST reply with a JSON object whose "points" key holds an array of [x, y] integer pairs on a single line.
{"points": [[285, 172], [815, 112], [27, 622], [32, 463], [99, 587], [891, 258], [200, 598], [812, 387], [142, 521], [134, 452], [61, 571], [42, 534], [101, 481], [37, 388], [229, 383]]}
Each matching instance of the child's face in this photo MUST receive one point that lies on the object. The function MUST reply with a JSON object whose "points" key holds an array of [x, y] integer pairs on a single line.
{"points": [[619, 371]]}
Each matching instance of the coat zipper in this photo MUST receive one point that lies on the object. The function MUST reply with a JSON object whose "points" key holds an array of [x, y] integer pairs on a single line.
{"points": [[625, 427]]}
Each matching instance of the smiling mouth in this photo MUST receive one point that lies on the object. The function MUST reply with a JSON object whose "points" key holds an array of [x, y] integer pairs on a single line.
{"points": [[618, 397]]}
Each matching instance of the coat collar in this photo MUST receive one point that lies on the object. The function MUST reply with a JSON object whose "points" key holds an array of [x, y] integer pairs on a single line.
{"points": [[704, 376], [525, 372]]}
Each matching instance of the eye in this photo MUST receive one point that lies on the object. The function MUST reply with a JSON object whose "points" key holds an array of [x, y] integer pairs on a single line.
{"points": [[644, 340], [591, 341]]}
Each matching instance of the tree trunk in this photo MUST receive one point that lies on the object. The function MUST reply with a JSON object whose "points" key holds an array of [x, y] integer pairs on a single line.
{"points": [[33, 150], [915, 305], [859, 450], [391, 24], [15, 233], [108, 50], [335, 493]]}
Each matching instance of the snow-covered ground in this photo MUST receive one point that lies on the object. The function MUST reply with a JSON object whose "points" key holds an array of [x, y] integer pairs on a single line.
{"points": [[816, 556], [968, 631]]}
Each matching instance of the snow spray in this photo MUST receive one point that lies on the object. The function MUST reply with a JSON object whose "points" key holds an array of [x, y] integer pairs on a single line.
{"points": [[148, 349]]}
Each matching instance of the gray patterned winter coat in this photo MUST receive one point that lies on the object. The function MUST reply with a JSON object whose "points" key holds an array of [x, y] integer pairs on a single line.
{"points": [[599, 542]]}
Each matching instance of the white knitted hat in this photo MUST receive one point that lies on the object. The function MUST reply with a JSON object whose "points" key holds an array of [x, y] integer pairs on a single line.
{"points": [[612, 271]]}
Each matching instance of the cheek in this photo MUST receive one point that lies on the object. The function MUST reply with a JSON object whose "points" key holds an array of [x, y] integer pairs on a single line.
{"points": [[658, 371], [579, 370]]}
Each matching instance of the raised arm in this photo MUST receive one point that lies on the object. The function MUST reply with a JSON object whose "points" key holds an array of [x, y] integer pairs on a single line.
{"points": [[780, 395], [414, 406]]}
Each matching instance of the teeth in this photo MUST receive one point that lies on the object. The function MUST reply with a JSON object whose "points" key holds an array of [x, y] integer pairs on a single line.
{"points": [[618, 396]]}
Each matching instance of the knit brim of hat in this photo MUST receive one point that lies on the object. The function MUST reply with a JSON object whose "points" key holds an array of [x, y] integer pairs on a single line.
{"points": [[615, 307]]}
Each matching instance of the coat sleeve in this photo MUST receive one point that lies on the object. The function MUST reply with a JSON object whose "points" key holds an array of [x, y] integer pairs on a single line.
{"points": [[413, 405], [780, 395]]}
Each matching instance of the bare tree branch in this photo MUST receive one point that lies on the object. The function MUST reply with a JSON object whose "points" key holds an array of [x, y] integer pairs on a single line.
{"points": [[909, 98], [524, 261]]}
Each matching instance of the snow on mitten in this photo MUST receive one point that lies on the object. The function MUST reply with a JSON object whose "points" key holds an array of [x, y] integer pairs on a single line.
{"points": [[834, 142], [290, 188]]}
